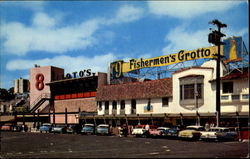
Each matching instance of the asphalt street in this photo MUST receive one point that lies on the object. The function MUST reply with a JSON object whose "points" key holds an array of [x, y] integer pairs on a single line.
{"points": [[37, 145]]}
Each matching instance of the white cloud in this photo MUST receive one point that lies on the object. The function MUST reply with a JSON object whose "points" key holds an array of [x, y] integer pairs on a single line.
{"points": [[70, 64], [229, 32], [43, 20], [42, 36], [125, 14], [188, 9], [180, 38], [45, 35]]}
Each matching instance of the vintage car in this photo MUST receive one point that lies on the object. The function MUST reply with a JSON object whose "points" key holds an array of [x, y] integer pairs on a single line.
{"points": [[88, 129], [102, 129], [6, 127], [140, 130], [153, 132], [59, 129], [17, 128], [191, 132], [171, 132], [46, 127], [74, 129], [219, 134]]}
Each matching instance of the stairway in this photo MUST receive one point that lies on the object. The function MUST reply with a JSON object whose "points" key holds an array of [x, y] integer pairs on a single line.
{"points": [[39, 101]]}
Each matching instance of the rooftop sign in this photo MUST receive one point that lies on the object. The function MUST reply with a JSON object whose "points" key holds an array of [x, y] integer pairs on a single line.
{"points": [[118, 68]]}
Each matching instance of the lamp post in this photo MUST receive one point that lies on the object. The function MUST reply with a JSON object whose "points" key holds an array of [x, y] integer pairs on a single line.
{"points": [[215, 38]]}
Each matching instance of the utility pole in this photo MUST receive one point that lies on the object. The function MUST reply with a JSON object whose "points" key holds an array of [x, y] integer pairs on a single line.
{"points": [[215, 38]]}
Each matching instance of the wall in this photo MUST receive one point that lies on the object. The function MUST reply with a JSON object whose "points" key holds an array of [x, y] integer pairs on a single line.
{"points": [[73, 105], [209, 94], [46, 71]]}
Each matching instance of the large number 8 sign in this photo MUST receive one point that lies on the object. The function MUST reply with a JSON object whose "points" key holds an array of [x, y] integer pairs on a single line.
{"points": [[39, 81]]}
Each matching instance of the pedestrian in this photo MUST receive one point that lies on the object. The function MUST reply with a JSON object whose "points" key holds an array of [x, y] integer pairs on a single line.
{"points": [[147, 127], [206, 126], [125, 130]]}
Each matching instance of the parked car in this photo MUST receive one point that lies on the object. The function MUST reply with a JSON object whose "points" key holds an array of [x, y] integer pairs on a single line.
{"points": [[219, 134], [46, 127], [171, 132], [140, 130], [59, 129], [74, 129], [16, 128], [19, 128], [6, 127], [191, 132], [102, 129], [153, 132], [88, 129]]}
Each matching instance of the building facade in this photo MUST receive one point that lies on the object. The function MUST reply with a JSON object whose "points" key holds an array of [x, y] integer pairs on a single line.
{"points": [[188, 97]]}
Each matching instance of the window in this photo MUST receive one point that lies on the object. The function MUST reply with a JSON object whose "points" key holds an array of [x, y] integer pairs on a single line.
{"points": [[181, 94], [165, 101], [189, 91], [245, 96], [122, 104], [149, 105], [224, 97], [133, 104], [114, 105], [199, 90], [106, 105], [235, 97], [100, 105], [228, 87]]}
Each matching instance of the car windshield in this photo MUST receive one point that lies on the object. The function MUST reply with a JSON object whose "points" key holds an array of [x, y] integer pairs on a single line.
{"points": [[60, 126], [103, 127], [88, 126]]}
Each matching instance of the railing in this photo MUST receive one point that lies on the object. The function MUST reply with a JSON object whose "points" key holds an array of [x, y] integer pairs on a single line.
{"points": [[39, 98]]}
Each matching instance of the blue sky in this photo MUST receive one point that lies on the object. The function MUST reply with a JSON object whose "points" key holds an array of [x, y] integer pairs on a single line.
{"points": [[77, 35]]}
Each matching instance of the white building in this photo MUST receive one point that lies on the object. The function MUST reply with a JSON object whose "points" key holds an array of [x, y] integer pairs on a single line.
{"points": [[190, 90]]}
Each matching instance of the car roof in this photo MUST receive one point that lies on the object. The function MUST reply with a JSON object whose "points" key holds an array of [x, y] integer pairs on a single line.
{"points": [[163, 128], [88, 124], [194, 126], [103, 125]]}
